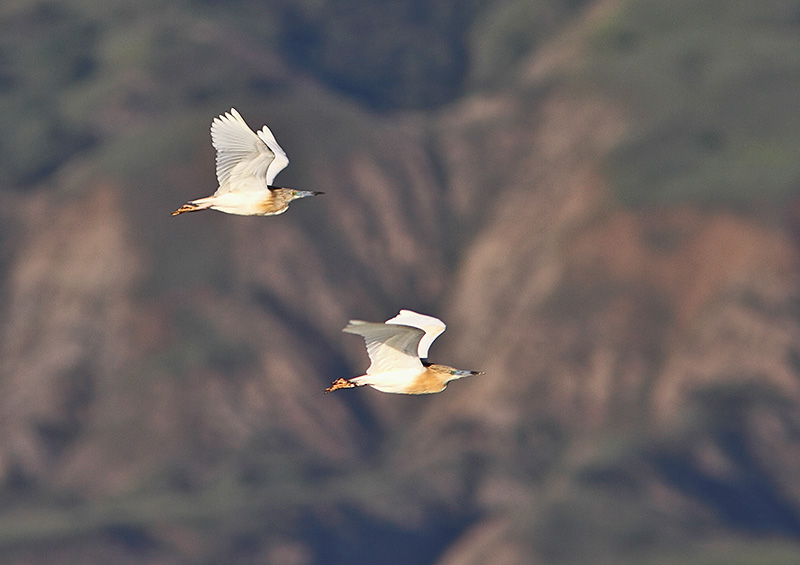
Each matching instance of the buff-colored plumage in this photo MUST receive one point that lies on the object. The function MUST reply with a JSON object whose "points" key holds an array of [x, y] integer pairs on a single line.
{"points": [[247, 163], [394, 349]]}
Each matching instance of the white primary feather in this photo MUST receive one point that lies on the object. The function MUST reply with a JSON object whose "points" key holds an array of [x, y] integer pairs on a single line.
{"points": [[390, 347], [433, 327], [246, 161]]}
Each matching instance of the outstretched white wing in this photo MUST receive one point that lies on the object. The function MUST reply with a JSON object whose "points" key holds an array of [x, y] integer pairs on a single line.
{"points": [[433, 327], [390, 347], [246, 160]]}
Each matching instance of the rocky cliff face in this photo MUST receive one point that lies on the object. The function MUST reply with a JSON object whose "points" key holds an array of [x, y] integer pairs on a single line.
{"points": [[162, 377]]}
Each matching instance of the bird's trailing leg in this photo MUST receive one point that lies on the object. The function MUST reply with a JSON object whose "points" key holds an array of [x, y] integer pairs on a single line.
{"points": [[195, 205], [340, 383], [186, 208]]}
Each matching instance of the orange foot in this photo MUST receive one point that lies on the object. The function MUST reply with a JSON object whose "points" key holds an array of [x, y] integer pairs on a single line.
{"points": [[339, 383], [185, 208]]}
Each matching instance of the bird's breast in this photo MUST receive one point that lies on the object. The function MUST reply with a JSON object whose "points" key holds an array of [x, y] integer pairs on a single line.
{"points": [[274, 202], [427, 382]]}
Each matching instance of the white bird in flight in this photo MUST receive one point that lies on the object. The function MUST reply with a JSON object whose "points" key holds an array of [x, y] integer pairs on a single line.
{"points": [[247, 163], [395, 349]]}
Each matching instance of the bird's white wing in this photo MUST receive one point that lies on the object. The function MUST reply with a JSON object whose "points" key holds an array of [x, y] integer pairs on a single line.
{"points": [[280, 161], [246, 160], [390, 347], [433, 327]]}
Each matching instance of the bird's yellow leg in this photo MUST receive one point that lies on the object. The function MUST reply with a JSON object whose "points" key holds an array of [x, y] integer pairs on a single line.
{"points": [[186, 208], [340, 383]]}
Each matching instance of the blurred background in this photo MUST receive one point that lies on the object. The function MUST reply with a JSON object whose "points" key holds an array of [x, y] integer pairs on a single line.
{"points": [[600, 198]]}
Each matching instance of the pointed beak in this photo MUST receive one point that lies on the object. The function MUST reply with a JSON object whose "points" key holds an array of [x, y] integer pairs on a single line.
{"points": [[468, 373], [306, 193]]}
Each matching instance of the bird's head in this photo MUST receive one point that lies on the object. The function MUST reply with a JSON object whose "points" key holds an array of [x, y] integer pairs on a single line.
{"points": [[451, 374]]}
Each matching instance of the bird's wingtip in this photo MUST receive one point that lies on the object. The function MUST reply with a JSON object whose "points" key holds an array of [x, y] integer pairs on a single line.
{"points": [[232, 114], [352, 325]]}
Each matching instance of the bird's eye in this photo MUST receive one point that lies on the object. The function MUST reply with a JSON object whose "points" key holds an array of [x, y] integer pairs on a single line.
{"points": [[294, 193]]}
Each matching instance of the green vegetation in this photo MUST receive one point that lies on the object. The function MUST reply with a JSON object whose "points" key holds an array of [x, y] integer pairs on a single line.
{"points": [[385, 53], [507, 32], [713, 88], [37, 137], [134, 65], [391, 54]]}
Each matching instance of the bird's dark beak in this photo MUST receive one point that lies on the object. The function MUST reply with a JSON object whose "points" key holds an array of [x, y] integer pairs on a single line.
{"points": [[468, 373], [306, 194]]}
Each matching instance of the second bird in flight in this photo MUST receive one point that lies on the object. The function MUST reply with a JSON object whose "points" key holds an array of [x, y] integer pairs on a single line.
{"points": [[395, 349]]}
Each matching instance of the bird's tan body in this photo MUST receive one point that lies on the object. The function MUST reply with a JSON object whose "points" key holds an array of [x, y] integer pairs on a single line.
{"points": [[276, 201], [432, 379]]}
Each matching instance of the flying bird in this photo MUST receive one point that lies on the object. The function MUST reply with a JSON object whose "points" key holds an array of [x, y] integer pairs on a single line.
{"points": [[247, 163], [395, 349]]}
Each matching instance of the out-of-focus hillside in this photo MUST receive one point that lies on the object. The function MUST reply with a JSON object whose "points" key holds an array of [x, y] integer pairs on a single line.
{"points": [[599, 198]]}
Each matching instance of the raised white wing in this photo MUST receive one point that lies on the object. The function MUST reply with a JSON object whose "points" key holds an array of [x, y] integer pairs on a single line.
{"points": [[280, 161], [246, 160], [390, 347], [433, 327]]}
